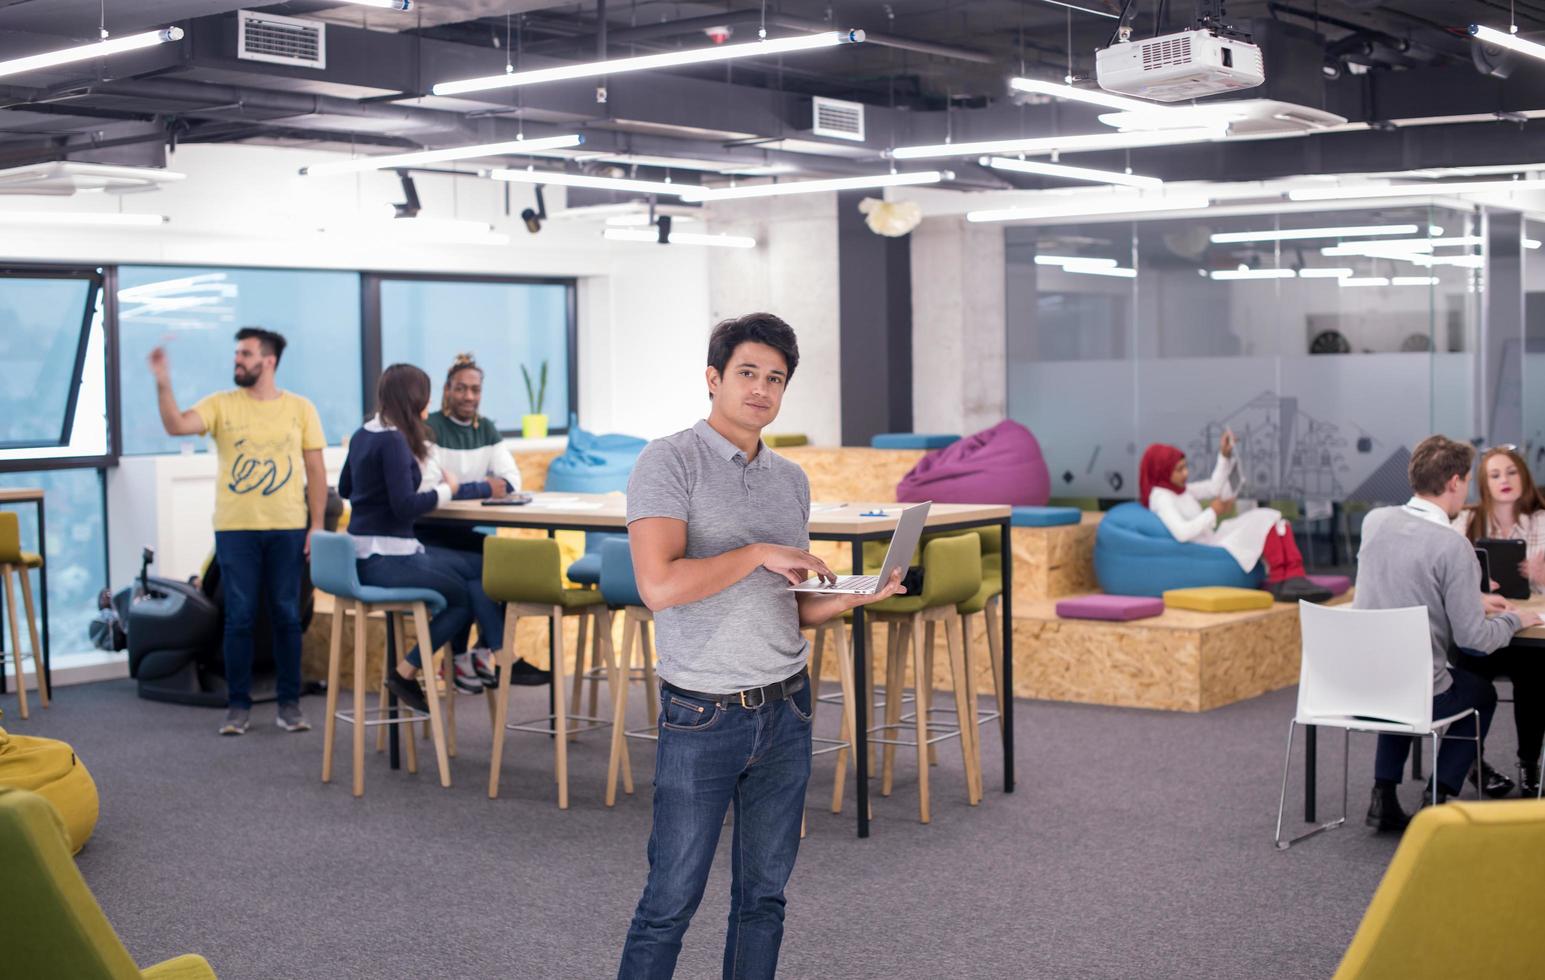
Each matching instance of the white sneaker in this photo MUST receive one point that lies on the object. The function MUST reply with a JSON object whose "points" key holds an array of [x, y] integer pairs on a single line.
{"points": [[483, 664], [467, 680]]}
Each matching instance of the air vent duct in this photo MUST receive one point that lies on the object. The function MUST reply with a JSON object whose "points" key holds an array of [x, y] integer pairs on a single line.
{"points": [[281, 40], [837, 119]]}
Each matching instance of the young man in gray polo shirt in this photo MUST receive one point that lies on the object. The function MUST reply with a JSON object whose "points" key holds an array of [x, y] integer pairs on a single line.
{"points": [[1411, 556], [719, 529]]}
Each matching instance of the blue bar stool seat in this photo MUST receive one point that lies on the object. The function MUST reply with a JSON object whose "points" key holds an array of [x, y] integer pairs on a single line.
{"points": [[335, 572], [912, 440]]}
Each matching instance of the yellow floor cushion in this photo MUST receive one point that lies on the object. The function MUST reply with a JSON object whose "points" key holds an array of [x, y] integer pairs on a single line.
{"points": [[1217, 598], [50, 769]]}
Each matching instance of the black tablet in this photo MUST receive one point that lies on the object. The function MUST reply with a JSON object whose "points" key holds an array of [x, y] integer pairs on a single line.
{"points": [[1504, 555]]}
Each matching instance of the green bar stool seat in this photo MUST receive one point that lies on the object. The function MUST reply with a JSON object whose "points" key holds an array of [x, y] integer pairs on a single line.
{"points": [[527, 575], [16, 563]]}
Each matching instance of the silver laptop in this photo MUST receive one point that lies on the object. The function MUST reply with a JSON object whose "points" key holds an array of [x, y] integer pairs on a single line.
{"points": [[909, 530]]}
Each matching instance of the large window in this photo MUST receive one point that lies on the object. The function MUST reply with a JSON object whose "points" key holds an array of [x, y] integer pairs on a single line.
{"points": [[195, 314], [506, 325], [76, 551], [45, 321]]}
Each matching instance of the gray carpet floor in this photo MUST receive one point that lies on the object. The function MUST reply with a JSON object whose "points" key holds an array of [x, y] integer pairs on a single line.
{"points": [[1137, 845]]}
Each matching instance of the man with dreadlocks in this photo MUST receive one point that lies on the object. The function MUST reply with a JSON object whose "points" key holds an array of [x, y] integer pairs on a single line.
{"points": [[470, 449]]}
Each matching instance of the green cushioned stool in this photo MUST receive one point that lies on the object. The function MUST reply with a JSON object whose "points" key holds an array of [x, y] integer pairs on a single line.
{"points": [[1217, 598], [53, 925], [527, 575], [16, 563], [783, 440]]}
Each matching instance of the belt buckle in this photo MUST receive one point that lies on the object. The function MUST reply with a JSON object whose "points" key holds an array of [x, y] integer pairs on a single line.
{"points": [[752, 707]]}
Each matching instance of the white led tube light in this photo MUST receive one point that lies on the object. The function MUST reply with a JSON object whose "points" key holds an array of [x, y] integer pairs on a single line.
{"points": [[1134, 206], [672, 59], [816, 186], [1503, 39], [88, 52], [82, 218], [1432, 189], [1070, 173], [1037, 145], [418, 157], [680, 238], [1292, 234], [560, 179]]}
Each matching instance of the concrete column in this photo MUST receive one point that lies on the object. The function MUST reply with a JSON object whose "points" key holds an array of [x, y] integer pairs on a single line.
{"points": [[959, 324], [791, 273]]}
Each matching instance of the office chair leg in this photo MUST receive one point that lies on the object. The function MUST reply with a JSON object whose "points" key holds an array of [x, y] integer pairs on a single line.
{"points": [[1282, 844]]}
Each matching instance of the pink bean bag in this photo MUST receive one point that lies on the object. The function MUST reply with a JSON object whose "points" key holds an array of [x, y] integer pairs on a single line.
{"points": [[1000, 465]]}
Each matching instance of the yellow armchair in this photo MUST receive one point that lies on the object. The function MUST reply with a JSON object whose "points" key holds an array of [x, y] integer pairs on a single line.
{"points": [[50, 925], [1460, 898]]}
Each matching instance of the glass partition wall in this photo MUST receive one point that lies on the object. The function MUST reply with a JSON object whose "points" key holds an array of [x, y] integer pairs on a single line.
{"points": [[1329, 342]]}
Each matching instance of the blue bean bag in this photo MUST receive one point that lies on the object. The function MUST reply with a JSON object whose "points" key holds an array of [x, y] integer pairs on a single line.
{"points": [[1134, 554], [594, 463]]}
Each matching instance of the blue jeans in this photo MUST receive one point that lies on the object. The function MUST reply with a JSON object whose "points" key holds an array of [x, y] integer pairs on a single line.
{"points": [[1456, 754], [429, 570], [254, 566], [488, 614], [709, 757]]}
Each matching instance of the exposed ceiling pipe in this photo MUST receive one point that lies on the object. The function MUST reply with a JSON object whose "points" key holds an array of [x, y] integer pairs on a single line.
{"points": [[739, 18]]}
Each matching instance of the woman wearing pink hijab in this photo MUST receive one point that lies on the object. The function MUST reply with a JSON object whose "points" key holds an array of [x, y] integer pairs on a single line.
{"points": [[1253, 535]]}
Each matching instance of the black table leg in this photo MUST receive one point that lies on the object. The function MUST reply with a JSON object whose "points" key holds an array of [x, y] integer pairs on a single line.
{"points": [[391, 699], [4, 612], [1311, 750], [1008, 656], [46, 681], [554, 647], [1416, 758], [861, 699]]}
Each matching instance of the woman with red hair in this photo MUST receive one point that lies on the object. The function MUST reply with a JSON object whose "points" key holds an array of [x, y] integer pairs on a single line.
{"points": [[1250, 537]]}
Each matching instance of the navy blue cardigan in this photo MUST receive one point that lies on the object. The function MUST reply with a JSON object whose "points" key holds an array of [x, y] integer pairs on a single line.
{"points": [[380, 480]]}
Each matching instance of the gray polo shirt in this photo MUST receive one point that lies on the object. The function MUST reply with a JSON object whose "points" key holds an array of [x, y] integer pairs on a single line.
{"points": [[747, 634]]}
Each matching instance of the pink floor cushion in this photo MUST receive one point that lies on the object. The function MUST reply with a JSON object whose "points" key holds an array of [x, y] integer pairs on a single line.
{"points": [[1337, 584], [1118, 608], [1000, 465]]}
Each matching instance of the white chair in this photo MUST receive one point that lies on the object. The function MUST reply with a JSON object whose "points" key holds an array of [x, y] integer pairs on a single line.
{"points": [[1366, 670]]}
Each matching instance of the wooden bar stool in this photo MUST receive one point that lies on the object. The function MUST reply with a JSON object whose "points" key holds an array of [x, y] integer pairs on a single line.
{"points": [[619, 587], [18, 563], [526, 574], [952, 573], [836, 630], [989, 602], [334, 571]]}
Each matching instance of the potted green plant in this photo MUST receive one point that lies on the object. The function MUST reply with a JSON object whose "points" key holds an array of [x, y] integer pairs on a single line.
{"points": [[534, 426]]}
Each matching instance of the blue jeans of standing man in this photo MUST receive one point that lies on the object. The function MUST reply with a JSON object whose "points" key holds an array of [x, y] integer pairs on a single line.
{"points": [[258, 566], [709, 757], [1456, 753]]}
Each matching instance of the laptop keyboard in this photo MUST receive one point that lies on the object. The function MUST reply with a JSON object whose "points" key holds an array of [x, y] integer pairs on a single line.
{"points": [[859, 582]]}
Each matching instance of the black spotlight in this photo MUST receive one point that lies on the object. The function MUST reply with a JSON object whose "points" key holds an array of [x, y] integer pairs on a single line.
{"points": [[410, 207], [663, 226], [534, 218]]}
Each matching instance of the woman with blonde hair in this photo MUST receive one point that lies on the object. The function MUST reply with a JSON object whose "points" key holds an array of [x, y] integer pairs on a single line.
{"points": [[1512, 507]]}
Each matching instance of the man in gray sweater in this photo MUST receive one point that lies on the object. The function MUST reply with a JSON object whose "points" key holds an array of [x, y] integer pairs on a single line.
{"points": [[1411, 556]]}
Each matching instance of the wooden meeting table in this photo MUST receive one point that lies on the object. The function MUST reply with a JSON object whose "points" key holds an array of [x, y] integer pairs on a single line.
{"points": [[553, 512]]}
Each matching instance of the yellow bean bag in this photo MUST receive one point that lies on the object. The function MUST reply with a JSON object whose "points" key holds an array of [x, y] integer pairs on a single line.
{"points": [[1217, 598], [49, 768]]}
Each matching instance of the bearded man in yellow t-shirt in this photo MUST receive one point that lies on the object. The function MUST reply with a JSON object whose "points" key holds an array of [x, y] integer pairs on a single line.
{"points": [[270, 495]]}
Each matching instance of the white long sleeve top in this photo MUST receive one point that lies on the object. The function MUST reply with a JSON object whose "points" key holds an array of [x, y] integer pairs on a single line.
{"points": [[1183, 513]]}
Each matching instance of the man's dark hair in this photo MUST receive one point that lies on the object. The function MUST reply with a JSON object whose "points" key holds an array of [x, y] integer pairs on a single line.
{"points": [[756, 328], [270, 342], [1435, 461]]}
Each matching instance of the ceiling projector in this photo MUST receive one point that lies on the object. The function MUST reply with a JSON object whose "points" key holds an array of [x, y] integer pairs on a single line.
{"points": [[1209, 59]]}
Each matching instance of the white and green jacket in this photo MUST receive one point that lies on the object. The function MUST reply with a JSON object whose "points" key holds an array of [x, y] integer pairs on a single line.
{"points": [[472, 452]]}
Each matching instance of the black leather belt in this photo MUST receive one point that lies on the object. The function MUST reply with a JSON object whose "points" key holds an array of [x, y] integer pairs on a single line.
{"points": [[752, 697]]}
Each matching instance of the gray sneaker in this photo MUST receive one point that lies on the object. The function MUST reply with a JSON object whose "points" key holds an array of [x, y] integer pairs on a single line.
{"points": [[235, 721], [291, 720]]}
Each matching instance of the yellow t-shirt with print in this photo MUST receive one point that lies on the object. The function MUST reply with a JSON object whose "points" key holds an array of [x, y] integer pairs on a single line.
{"points": [[261, 485]]}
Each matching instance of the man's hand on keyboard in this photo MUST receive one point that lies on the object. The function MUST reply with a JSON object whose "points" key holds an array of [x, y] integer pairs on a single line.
{"points": [[795, 564]]}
